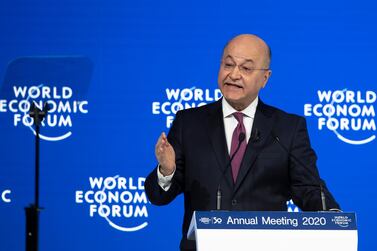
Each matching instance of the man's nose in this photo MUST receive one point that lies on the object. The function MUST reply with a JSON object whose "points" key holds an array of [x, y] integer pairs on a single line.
{"points": [[235, 74]]}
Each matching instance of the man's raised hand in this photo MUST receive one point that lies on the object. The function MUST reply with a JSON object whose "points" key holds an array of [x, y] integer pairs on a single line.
{"points": [[165, 155]]}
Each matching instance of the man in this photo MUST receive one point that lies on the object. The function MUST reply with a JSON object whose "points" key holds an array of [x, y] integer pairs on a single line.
{"points": [[273, 161]]}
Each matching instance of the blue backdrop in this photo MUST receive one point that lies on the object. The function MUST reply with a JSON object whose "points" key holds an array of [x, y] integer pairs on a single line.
{"points": [[140, 61]]}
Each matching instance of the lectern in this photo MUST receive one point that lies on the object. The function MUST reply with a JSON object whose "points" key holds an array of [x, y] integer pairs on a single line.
{"points": [[283, 231]]}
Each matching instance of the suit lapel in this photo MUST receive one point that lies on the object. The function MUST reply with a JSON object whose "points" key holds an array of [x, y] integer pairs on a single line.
{"points": [[263, 122], [216, 132]]}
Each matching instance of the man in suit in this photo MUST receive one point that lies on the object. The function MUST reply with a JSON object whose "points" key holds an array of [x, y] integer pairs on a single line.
{"points": [[273, 161]]}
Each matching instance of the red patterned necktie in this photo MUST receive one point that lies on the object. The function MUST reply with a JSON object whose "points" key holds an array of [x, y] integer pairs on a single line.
{"points": [[236, 162]]}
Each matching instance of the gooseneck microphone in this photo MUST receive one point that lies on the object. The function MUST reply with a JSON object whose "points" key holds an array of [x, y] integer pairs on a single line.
{"points": [[241, 138], [317, 178]]}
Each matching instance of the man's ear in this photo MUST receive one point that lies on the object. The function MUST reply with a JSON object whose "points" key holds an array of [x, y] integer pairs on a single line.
{"points": [[267, 76]]}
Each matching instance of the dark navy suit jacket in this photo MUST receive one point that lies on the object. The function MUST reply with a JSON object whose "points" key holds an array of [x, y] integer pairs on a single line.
{"points": [[268, 176]]}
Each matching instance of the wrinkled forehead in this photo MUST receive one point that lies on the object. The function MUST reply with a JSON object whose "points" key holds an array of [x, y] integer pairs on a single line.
{"points": [[242, 51], [238, 59]]}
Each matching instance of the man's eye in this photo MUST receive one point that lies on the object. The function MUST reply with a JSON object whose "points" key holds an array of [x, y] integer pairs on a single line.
{"points": [[229, 65], [246, 69]]}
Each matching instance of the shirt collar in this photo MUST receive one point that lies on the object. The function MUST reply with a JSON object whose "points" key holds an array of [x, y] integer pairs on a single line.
{"points": [[249, 111]]}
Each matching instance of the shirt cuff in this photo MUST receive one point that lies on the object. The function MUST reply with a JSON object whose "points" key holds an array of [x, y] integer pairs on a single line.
{"points": [[164, 181]]}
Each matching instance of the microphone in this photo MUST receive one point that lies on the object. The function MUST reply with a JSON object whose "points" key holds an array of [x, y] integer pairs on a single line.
{"points": [[46, 108], [37, 114], [241, 138], [318, 180]]}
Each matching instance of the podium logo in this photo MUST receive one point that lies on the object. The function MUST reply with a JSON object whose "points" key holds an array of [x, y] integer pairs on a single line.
{"points": [[342, 221], [58, 123], [349, 114], [120, 201], [5, 196], [179, 99], [217, 220], [205, 220]]}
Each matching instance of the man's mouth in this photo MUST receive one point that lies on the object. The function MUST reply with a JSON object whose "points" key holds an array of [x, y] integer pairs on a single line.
{"points": [[233, 85]]}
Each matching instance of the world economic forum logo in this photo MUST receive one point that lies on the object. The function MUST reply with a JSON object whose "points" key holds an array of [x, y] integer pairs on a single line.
{"points": [[183, 98], [121, 201], [291, 207], [63, 108], [349, 114], [61, 82], [342, 221]]}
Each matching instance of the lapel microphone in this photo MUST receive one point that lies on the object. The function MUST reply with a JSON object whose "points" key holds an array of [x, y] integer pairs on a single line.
{"points": [[317, 178], [241, 138]]}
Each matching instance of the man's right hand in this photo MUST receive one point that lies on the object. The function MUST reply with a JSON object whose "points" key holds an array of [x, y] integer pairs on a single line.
{"points": [[165, 155]]}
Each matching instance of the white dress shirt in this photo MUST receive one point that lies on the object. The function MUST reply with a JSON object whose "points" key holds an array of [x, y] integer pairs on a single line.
{"points": [[230, 123]]}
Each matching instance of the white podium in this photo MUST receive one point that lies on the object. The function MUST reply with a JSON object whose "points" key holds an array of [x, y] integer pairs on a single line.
{"points": [[283, 231]]}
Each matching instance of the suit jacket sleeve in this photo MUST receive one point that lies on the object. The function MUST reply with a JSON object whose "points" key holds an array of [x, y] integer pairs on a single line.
{"points": [[154, 192], [304, 184]]}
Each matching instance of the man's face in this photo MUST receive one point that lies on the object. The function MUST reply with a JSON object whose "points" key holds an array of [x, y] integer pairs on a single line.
{"points": [[243, 71]]}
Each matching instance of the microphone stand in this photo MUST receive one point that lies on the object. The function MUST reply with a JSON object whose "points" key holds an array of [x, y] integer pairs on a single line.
{"points": [[32, 212], [219, 193], [318, 179]]}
